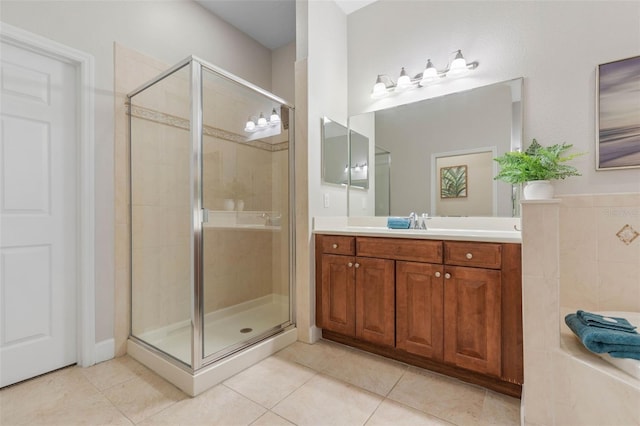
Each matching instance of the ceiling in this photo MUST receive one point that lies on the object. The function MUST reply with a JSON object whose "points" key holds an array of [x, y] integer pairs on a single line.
{"points": [[271, 23]]}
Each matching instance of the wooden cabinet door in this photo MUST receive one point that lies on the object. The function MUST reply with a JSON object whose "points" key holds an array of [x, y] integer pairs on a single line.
{"points": [[338, 294], [375, 300], [419, 308], [472, 315]]}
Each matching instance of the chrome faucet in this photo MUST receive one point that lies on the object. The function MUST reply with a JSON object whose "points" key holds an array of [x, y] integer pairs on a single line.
{"points": [[423, 221], [418, 222], [413, 220]]}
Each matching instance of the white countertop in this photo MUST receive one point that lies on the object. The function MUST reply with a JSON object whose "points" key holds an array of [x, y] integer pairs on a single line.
{"points": [[484, 229]]}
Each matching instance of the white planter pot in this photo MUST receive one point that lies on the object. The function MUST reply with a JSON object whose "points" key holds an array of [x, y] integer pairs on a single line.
{"points": [[239, 205], [538, 190], [228, 204]]}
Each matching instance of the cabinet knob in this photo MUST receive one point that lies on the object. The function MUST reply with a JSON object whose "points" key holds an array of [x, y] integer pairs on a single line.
{"points": [[357, 265], [349, 264], [469, 256], [447, 275], [437, 274], [335, 246]]}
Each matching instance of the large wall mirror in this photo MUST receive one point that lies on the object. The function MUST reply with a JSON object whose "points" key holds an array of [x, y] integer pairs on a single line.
{"points": [[436, 155]]}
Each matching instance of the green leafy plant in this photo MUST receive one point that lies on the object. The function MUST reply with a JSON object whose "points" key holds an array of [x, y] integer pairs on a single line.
{"points": [[537, 163]]}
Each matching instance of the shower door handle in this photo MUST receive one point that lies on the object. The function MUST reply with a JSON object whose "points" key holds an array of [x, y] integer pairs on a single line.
{"points": [[205, 215]]}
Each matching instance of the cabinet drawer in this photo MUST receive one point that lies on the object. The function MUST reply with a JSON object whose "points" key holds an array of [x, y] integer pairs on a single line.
{"points": [[483, 255], [334, 244], [400, 249]]}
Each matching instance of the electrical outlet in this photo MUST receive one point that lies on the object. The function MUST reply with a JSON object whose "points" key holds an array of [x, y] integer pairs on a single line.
{"points": [[326, 201]]}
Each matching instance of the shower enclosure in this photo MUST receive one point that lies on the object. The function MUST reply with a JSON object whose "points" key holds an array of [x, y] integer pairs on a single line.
{"points": [[211, 220]]}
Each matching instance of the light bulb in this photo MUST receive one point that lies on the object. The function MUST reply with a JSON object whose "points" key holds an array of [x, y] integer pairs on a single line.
{"points": [[250, 126], [404, 81], [262, 122], [459, 65], [275, 118], [379, 89], [429, 75]]}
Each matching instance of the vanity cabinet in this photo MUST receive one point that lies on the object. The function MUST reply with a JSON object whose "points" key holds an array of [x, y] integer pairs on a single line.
{"points": [[358, 294], [449, 306]]}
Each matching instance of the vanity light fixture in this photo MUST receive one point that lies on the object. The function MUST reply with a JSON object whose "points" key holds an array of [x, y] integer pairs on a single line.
{"points": [[384, 85], [262, 123]]}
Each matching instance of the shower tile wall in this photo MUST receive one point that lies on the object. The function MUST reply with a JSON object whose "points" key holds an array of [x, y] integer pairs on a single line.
{"points": [[261, 253], [131, 69], [161, 206]]}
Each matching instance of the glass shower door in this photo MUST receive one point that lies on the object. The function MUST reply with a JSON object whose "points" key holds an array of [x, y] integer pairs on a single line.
{"points": [[161, 229], [245, 233]]}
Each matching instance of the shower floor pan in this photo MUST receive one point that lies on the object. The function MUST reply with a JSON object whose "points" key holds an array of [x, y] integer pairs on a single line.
{"points": [[222, 328]]}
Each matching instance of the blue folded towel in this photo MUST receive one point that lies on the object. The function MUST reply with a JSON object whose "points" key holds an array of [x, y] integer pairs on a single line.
{"points": [[398, 223], [613, 323], [619, 344]]}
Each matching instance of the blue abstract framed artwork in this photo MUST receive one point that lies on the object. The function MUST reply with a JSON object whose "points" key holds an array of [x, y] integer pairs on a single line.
{"points": [[618, 114]]}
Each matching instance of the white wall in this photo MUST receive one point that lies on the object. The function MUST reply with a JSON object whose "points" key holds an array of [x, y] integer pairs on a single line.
{"points": [[327, 38], [166, 30], [322, 50], [282, 72], [556, 46]]}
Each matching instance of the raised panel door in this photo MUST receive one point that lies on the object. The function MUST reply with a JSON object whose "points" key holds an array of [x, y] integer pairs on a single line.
{"points": [[38, 214], [419, 309], [338, 294], [375, 300], [472, 315]]}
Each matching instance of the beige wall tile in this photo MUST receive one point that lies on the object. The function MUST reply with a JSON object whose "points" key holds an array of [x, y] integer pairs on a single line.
{"points": [[585, 395], [617, 200], [619, 286]]}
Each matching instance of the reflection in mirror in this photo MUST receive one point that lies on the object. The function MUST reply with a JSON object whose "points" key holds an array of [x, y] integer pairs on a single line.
{"points": [[462, 182], [335, 152], [383, 182], [359, 160], [422, 135]]}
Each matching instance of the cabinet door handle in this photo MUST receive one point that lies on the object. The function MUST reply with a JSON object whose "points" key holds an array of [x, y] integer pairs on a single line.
{"points": [[447, 275], [437, 274], [469, 256], [357, 265], [349, 264], [335, 246]]}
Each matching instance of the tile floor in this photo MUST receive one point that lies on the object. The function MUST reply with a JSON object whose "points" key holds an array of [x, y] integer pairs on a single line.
{"points": [[321, 384]]}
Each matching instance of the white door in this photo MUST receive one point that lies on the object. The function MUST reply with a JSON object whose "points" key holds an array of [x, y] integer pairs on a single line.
{"points": [[38, 206]]}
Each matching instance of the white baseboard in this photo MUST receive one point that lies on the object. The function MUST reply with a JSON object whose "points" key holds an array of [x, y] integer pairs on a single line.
{"points": [[105, 350], [315, 334]]}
